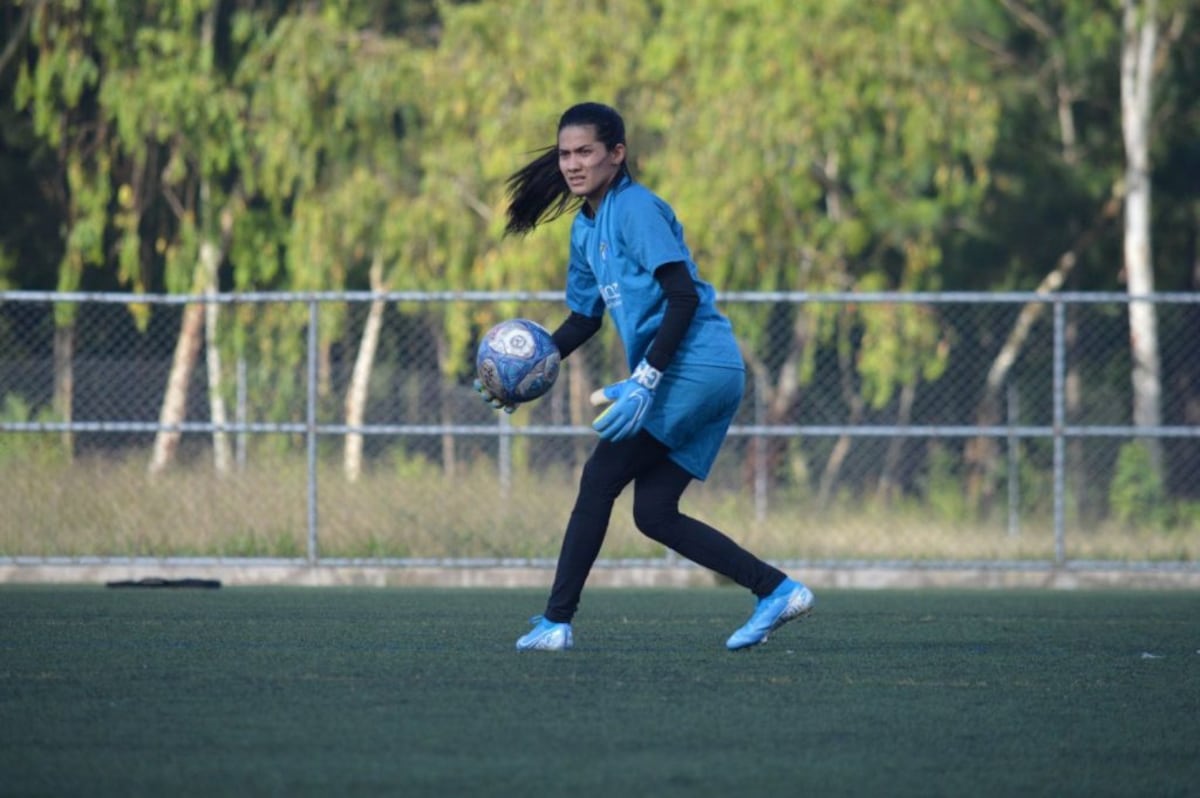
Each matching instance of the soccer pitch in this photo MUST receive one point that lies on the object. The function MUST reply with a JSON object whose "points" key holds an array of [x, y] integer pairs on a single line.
{"points": [[411, 692]]}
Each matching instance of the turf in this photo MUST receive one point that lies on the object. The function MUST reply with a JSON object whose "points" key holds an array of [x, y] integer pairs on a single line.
{"points": [[295, 691]]}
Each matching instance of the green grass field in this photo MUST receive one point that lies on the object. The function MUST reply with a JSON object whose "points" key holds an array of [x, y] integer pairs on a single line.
{"points": [[406, 692]]}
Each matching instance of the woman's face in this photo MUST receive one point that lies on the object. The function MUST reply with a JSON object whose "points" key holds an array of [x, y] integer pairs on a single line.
{"points": [[588, 166]]}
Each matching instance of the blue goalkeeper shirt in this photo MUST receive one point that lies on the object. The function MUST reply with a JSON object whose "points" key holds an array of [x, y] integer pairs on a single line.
{"points": [[613, 259]]}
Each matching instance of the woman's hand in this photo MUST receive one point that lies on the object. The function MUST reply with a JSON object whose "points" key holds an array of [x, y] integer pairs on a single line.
{"points": [[631, 399]]}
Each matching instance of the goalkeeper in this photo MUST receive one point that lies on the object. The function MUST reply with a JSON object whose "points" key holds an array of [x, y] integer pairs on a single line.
{"points": [[667, 421]]}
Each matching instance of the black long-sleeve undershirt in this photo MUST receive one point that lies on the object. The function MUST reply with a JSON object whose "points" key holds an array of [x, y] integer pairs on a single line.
{"points": [[574, 331], [682, 301]]}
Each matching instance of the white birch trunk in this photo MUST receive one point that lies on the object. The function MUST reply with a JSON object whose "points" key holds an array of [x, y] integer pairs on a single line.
{"points": [[64, 382], [360, 378], [1140, 28], [210, 259], [199, 324], [174, 405]]}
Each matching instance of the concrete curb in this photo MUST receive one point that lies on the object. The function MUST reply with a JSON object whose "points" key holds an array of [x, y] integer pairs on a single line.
{"points": [[855, 578]]}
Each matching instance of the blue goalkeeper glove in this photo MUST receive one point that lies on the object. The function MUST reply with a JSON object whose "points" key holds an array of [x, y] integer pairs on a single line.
{"points": [[631, 400], [492, 399]]}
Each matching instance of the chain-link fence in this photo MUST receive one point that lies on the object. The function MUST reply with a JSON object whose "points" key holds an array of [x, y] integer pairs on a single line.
{"points": [[993, 429]]}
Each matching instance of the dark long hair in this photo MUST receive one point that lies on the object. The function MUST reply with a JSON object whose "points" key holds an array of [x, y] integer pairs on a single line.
{"points": [[537, 192]]}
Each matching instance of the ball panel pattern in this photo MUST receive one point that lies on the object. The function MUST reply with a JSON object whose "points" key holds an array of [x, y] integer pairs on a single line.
{"points": [[517, 361]]}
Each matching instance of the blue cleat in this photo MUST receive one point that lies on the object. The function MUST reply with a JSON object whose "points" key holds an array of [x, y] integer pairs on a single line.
{"points": [[791, 600], [546, 636]]}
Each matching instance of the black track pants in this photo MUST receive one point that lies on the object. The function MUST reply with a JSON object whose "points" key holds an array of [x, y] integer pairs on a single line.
{"points": [[658, 484]]}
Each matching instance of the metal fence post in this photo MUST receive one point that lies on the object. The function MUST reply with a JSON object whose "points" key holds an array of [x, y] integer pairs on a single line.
{"points": [[759, 451], [1014, 462], [311, 431], [504, 453], [242, 399], [1059, 399]]}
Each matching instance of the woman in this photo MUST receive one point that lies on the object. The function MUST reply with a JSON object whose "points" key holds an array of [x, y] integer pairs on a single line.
{"points": [[667, 421]]}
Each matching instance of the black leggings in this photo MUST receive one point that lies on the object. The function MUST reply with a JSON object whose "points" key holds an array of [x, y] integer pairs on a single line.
{"points": [[658, 484]]}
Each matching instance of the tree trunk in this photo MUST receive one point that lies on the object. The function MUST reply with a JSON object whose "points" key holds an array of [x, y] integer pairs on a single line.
{"points": [[888, 484], [17, 37], [174, 406], [1076, 467], [980, 453], [449, 449], [210, 259], [64, 381], [841, 449], [199, 323], [1140, 28], [360, 378], [445, 411], [211, 255], [781, 397]]}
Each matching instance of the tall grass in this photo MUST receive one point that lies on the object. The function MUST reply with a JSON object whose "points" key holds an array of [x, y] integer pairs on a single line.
{"points": [[112, 507]]}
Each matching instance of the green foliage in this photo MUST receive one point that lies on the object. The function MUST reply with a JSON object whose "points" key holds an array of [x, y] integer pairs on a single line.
{"points": [[412, 465], [944, 486], [805, 145], [1188, 516], [56, 89], [1035, 480], [28, 448], [829, 147], [853, 139], [900, 345], [842, 163], [7, 266], [1137, 495]]}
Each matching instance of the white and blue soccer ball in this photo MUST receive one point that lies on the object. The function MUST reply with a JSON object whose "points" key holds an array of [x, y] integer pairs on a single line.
{"points": [[517, 361]]}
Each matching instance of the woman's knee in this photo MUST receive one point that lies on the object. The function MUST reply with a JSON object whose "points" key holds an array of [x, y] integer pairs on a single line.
{"points": [[655, 519]]}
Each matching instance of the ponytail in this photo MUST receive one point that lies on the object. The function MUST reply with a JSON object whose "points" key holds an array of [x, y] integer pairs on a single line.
{"points": [[537, 193]]}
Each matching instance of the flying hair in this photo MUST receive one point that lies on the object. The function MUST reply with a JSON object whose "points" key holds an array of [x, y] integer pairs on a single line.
{"points": [[537, 192]]}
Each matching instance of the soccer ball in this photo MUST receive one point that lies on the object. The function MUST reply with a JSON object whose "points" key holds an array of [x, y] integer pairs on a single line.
{"points": [[517, 361]]}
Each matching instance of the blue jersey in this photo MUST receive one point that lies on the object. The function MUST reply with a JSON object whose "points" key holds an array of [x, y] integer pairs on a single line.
{"points": [[613, 259]]}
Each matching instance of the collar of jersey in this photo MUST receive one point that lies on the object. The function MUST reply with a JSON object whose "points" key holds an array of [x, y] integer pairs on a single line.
{"points": [[615, 188]]}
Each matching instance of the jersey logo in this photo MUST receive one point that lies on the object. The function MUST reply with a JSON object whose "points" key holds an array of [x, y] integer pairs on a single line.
{"points": [[611, 294]]}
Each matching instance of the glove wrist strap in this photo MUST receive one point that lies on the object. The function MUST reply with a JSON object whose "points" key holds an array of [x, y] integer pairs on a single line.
{"points": [[646, 375]]}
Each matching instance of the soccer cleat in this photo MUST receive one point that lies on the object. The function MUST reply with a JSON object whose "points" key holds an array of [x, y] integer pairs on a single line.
{"points": [[546, 636], [789, 601]]}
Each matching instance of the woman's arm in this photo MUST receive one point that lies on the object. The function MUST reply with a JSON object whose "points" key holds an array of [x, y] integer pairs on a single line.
{"points": [[682, 300], [574, 331]]}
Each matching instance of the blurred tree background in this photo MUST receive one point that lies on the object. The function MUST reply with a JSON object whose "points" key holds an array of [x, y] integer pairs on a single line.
{"points": [[912, 145], [194, 146]]}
